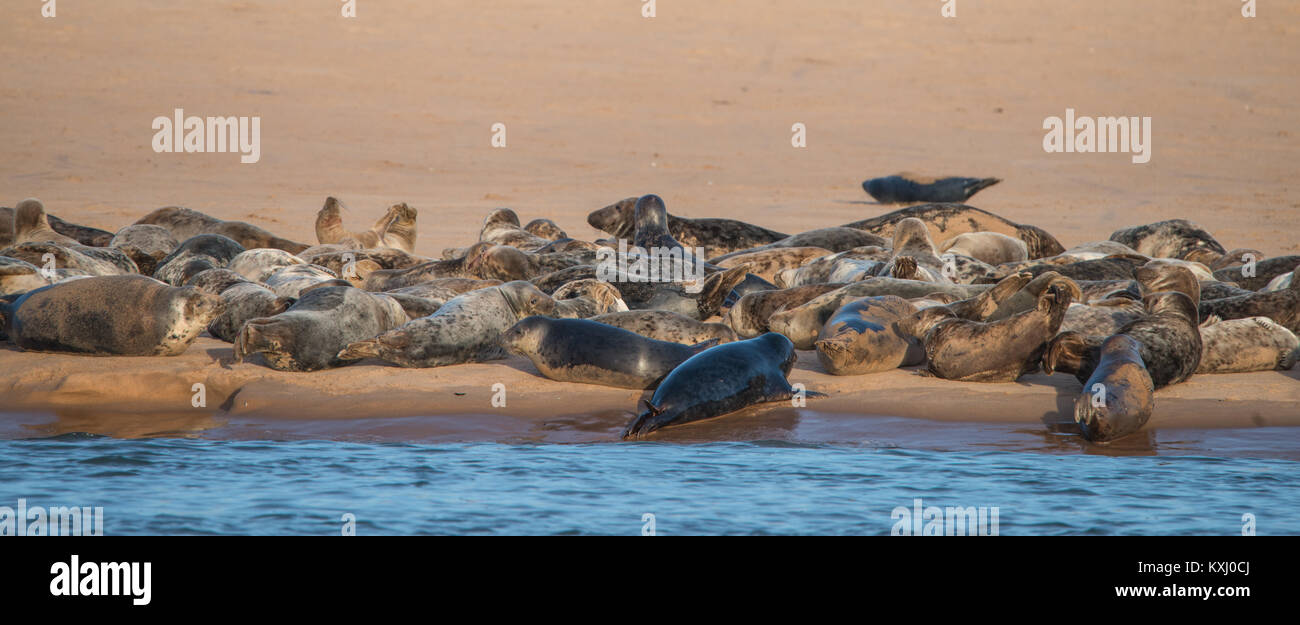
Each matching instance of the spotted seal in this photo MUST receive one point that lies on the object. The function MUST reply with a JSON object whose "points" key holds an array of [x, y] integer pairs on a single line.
{"points": [[589, 352]]}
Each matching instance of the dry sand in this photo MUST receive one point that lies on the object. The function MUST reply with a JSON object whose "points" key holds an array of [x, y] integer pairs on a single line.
{"points": [[695, 104]]}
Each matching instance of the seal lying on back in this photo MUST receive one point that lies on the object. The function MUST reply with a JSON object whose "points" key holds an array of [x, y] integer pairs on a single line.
{"points": [[863, 337], [1117, 400], [185, 223], [579, 350], [663, 325], [309, 335], [949, 220], [906, 188], [720, 380], [716, 236], [750, 314], [467, 328], [110, 315]]}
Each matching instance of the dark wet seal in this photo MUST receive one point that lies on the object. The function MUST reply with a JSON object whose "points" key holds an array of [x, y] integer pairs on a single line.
{"points": [[718, 381], [906, 188]]}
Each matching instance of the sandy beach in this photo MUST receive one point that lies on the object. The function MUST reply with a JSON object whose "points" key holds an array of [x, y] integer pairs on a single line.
{"points": [[696, 105]]}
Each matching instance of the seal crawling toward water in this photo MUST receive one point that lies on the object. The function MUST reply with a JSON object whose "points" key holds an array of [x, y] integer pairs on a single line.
{"points": [[1117, 400], [579, 350], [720, 380], [906, 187], [129, 315]]}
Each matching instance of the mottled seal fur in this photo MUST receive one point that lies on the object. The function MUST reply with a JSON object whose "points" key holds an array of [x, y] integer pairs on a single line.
{"points": [[718, 381], [309, 334], [1119, 396], [767, 263], [467, 328], [196, 254], [146, 245], [19, 276], [110, 315], [749, 315], [837, 239], [716, 236], [801, 324], [1261, 273], [76, 259], [243, 300], [863, 337], [949, 220], [1172, 238], [907, 188], [1250, 344], [1000, 351], [588, 352], [1282, 307], [668, 326], [1168, 338]]}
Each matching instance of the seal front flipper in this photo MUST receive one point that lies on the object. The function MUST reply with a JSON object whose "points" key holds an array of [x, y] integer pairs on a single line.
{"points": [[643, 423]]}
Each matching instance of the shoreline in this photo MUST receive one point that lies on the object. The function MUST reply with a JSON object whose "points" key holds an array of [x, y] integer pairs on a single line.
{"points": [[143, 397]]}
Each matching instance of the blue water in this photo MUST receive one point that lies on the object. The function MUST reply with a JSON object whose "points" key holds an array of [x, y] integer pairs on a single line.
{"points": [[194, 486]]}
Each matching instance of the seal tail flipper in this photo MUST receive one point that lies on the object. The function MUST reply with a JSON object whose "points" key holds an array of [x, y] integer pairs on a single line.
{"points": [[978, 184]]}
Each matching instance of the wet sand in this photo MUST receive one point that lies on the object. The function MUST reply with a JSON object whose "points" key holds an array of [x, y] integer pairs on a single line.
{"points": [[600, 104]]}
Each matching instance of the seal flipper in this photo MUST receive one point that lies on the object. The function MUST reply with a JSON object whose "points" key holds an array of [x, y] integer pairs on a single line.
{"points": [[643, 423], [716, 288]]}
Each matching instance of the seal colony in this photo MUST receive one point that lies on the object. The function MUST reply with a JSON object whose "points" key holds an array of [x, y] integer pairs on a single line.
{"points": [[949, 290]]}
